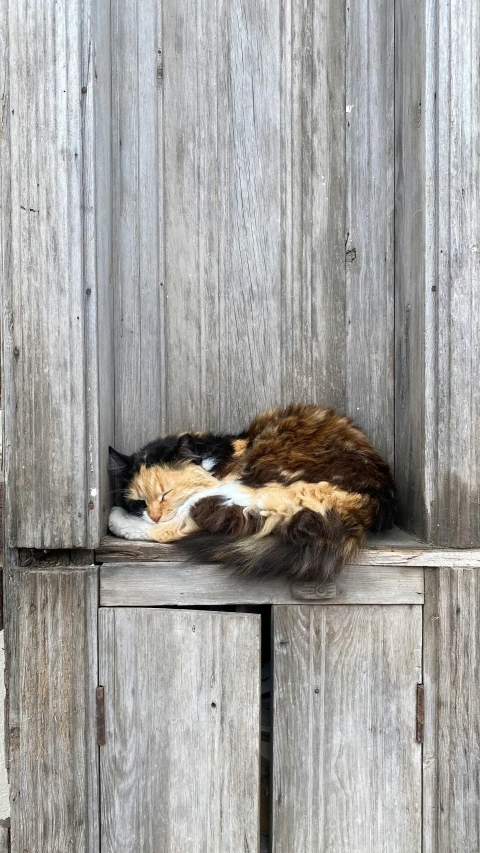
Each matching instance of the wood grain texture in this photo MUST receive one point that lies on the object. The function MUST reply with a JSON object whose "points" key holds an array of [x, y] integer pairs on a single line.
{"points": [[101, 336], [370, 221], [138, 222], [453, 475], [452, 712], [180, 766], [161, 584], [346, 767], [230, 261], [53, 270], [414, 179], [5, 836], [313, 172], [393, 548], [52, 644], [437, 269]]}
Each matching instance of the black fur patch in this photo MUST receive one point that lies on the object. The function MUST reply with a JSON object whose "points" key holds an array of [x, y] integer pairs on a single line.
{"points": [[213, 516]]}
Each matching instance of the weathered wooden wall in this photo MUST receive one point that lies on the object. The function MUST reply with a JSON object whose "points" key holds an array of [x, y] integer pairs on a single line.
{"points": [[347, 771], [437, 274], [53, 666], [197, 223], [451, 820], [180, 765], [56, 250], [253, 212]]}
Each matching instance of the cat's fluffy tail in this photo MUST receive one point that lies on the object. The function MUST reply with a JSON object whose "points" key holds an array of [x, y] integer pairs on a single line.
{"points": [[310, 547]]}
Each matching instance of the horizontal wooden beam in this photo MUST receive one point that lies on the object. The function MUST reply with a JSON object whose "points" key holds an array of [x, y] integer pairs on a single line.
{"points": [[177, 584], [394, 548]]}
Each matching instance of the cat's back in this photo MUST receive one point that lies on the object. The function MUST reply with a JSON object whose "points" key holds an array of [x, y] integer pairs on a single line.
{"points": [[306, 442], [314, 428]]}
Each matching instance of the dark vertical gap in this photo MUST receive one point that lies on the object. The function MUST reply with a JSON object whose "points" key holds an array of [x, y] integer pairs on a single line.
{"points": [[162, 235], [394, 258], [99, 757], [266, 732], [113, 268], [422, 745]]}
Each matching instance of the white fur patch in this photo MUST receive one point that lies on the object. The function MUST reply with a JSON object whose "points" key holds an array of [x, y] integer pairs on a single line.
{"points": [[121, 523], [209, 463], [233, 493]]}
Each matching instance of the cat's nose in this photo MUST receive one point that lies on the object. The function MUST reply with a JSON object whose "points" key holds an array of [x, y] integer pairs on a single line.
{"points": [[155, 516]]}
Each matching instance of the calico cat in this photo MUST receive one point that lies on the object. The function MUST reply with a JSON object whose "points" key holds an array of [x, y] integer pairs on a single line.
{"points": [[294, 494]]}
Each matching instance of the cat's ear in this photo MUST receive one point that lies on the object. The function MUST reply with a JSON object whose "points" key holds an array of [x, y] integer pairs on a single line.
{"points": [[186, 448], [119, 465]]}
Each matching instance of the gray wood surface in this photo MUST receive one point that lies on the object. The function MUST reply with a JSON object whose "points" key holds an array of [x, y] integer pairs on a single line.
{"points": [[313, 187], [437, 269], [230, 195], [369, 218], [452, 712], [160, 584], [180, 765], [346, 767], [54, 264], [394, 548], [137, 272], [5, 836], [53, 675], [453, 472]]}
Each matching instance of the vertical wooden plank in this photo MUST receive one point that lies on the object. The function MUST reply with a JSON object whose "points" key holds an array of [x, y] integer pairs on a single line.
{"points": [[100, 377], [53, 676], [250, 259], [50, 262], [451, 786], [5, 836], [193, 40], [414, 197], [437, 269], [347, 768], [454, 482], [138, 221], [180, 766], [369, 217], [222, 211], [313, 201]]}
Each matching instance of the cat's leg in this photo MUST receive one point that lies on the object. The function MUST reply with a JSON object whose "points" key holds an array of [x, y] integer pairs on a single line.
{"points": [[128, 526], [173, 530], [122, 523]]}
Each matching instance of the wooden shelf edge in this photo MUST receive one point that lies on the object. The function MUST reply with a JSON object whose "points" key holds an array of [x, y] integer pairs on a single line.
{"points": [[394, 548]]}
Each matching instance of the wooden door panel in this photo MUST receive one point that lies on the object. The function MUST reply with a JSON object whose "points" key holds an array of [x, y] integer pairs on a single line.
{"points": [[180, 766], [346, 764]]}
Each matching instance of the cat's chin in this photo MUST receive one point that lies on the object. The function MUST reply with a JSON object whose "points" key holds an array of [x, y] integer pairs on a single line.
{"points": [[122, 523]]}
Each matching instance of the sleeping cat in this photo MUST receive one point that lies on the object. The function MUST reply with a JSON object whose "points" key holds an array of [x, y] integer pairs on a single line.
{"points": [[294, 494]]}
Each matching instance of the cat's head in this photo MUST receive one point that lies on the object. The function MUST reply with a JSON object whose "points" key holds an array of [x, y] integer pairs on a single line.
{"points": [[155, 481]]}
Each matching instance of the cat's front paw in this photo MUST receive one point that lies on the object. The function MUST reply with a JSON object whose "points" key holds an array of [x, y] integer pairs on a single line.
{"points": [[122, 523]]}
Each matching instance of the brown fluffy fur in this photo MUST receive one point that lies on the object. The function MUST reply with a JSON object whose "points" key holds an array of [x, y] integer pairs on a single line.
{"points": [[303, 486]]}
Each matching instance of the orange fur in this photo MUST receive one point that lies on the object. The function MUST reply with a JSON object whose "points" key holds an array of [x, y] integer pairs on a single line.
{"points": [[165, 489]]}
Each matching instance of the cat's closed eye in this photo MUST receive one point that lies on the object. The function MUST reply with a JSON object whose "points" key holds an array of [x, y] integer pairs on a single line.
{"points": [[162, 497]]}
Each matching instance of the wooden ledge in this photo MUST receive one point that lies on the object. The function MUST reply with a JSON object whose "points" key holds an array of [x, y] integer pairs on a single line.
{"points": [[163, 584], [394, 548]]}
